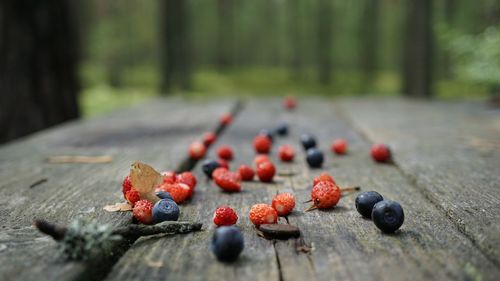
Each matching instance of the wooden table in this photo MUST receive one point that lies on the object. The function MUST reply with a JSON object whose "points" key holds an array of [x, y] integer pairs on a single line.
{"points": [[446, 176]]}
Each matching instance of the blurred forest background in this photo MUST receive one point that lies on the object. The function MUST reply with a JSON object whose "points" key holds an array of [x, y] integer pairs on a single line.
{"points": [[63, 59]]}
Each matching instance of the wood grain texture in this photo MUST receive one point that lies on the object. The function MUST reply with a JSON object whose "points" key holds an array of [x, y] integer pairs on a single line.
{"points": [[451, 151], [346, 245], [157, 133]]}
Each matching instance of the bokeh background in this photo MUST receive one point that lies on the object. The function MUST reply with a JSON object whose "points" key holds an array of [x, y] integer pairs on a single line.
{"points": [[65, 59]]}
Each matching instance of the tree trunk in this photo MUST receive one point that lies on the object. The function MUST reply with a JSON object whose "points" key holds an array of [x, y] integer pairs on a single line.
{"points": [[38, 65], [324, 44], [176, 49], [417, 60], [224, 33], [294, 20], [369, 42]]}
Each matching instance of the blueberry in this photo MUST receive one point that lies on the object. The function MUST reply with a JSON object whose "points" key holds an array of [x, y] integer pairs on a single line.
{"points": [[282, 129], [308, 141], [164, 195], [209, 166], [388, 216], [365, 202], [165, 210], [314, 157], [227, 243], [267, 133]]}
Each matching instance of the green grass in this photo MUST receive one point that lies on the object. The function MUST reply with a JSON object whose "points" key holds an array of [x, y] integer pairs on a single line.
{"points": [[141, 83]]}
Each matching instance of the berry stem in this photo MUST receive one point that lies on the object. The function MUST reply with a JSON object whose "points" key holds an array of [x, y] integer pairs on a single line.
{"points": [[312, 207], [350, 189]]}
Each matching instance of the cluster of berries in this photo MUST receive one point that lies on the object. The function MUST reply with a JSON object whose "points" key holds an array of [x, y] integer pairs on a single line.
{"points": [[198, 149], [175, 189], [387, 215], [282, 205]]}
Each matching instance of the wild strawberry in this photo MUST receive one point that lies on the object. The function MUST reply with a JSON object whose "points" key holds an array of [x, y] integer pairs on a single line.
{"points": [[225, 152], [324, 195], [266, 171], [226, 119], [286, 153], [142, 211], [189, 179], [289, 103], [225, 215], [226, 180], [169, 177], [262, 214], [126, 186], [197, 150], [260, 158], [381, 153], [262, 144], [209, 138], [323, 177], [132, 196], [246, 173], [339, 146], [283, 203], [180, 192], [223, 163]]}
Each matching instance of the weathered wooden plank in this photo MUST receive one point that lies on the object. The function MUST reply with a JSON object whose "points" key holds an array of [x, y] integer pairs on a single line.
{"points": [[347, 246], [450, 150], [189, 257], [157, 133]]}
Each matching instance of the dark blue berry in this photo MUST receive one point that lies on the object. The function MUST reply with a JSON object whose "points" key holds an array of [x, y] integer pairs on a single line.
{"points": [[314, 157], [308, 141], [282, 129], [209, 166], [365, 202], [165, 210], [388, 216], [227, 243], [267, 133], [164, 195]]}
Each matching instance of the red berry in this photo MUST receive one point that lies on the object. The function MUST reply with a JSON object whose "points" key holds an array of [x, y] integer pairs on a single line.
{"points": [[209, 138], [180, 192], [225, 152], [142, 211], [286, 153], [289, 102], [189, 179], [197, 150], [226, 180], [323, 177], [225, 215], [226, 119], [260, 159], [262, 144], [284, 203], [262, 214], [380, 153], [132, 196], [325, 195], [246, 173], [169, 177], [223, 163], [126, 186], [339, 146], [266, 171]]}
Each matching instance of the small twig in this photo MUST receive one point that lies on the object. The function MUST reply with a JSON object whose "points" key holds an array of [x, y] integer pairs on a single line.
{"points": [[171, 227], [38, 182], [55, 231], [61, 159]]}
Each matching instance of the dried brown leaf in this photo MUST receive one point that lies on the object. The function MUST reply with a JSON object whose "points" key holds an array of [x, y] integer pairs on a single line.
{"points": [[145, 179], [118, 207]]}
